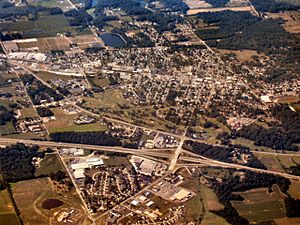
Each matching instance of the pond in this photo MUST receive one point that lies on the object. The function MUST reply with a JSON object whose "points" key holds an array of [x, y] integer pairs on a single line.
{"points": [[52, 203], [113, 40]]}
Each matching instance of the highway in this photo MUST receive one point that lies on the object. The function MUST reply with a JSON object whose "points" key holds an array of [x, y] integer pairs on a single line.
{"points": [[144, 152], [191, 158]]}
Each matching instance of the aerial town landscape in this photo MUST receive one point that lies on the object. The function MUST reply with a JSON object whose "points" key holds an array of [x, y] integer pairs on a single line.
{"points": [[159, 112]]}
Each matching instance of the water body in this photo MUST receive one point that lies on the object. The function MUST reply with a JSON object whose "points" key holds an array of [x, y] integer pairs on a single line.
{"points": [[94, 3], [113, 40]]}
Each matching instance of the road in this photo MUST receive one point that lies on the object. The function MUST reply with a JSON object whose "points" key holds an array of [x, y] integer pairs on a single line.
{"points": [[153, 153], [150, 152], [178, 151]]}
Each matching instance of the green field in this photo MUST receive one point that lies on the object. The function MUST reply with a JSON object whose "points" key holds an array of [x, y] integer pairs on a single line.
{"points": [[7, 212]]}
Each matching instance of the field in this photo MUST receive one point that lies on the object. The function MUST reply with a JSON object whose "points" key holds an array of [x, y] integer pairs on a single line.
{"points": [[109, 99], [249, 143], [44, 26], [259, 205], [242, 8], [292, 20], [270, 161], [205, 200], [287, 221], [28, 112], [287, 99], [46, 76], [294, 189], [99, 82], [279, 163], [49, 164], [65, 122], [64, 5], [294, 2], [8, 128], [29, 196], [241, 55], [60, 42], [7, 211]]}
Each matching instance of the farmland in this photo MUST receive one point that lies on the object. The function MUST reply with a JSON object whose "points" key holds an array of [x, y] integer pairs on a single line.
{"points": [[259, 205], [44, 26], [7, 211]]}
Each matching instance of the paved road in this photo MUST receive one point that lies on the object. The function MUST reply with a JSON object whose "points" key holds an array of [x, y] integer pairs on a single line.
{"points": [[152, 153], [211, 162]]}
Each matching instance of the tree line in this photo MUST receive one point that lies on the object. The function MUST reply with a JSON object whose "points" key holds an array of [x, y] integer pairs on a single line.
{"points": [[16, 163]]}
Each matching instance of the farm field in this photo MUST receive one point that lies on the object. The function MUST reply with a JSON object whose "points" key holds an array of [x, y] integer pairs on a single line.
{"points": [[60, 42], [259, 205], [270, 161], [7, 211], [30, 195], [44, 26]]}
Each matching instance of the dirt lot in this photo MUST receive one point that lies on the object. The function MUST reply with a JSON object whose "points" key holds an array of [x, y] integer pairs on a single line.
{"points": [[195, 11]]}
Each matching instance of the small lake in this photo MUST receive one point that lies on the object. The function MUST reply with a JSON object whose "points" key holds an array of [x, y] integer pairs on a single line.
{"points": [[112, 40], [94, 3]]}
